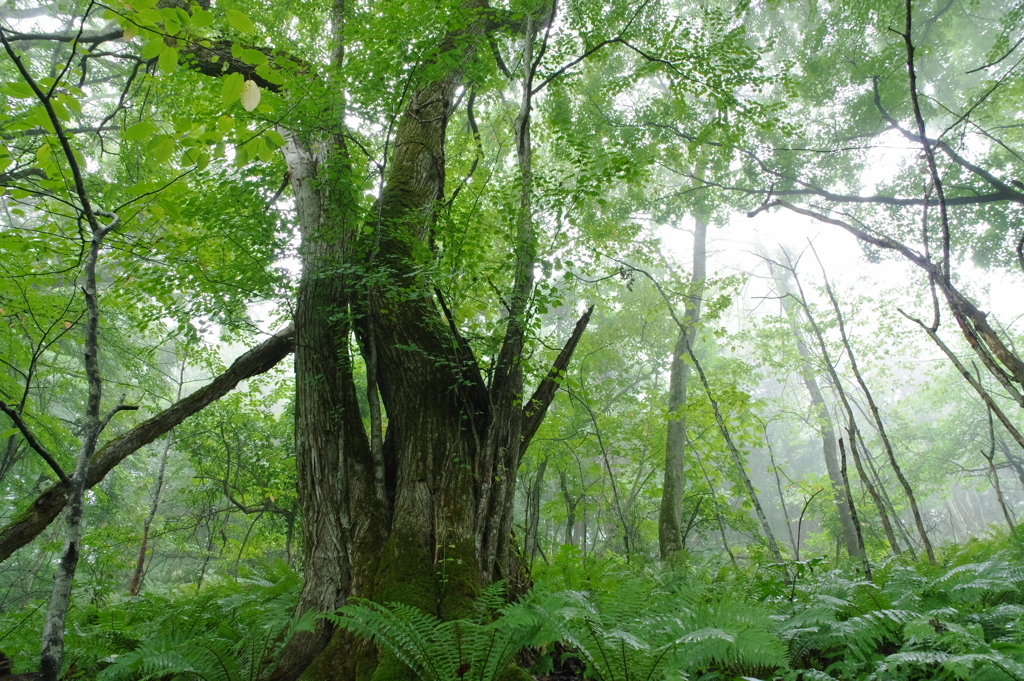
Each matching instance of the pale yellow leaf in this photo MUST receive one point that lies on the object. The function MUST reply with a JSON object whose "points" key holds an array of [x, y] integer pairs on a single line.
{"points": [[67, 325], [250, 95]]}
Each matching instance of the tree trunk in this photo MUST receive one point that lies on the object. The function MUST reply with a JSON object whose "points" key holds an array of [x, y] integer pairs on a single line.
{"points": [[570, 510], [853, 509], [778, 487], [871, 402], [990, 456], [670, 518], [824, 419], [530, 544], [158, 485], [442, 528]]}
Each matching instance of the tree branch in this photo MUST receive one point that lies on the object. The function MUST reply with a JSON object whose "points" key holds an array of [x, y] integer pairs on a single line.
{"points": [[30, 438], [48, 505], [537, 407]]}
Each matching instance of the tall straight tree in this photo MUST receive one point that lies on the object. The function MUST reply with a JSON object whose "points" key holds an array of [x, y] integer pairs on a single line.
{"points": [[670, 517]]}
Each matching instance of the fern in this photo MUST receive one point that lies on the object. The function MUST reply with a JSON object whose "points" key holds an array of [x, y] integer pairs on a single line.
{"points": [[436, 650], [641, 630], [228, 632]]}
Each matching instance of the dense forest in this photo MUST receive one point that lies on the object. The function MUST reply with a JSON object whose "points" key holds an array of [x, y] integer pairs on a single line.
{"points": [[527, 339]]}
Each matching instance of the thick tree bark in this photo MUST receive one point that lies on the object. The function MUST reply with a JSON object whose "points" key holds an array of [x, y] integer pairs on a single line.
{"points": [[452, 445], [670, 517], [333, 463]]}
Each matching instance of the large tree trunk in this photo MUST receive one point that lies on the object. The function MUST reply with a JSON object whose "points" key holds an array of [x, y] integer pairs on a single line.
{"points": [[670, 518], [439, 527]]}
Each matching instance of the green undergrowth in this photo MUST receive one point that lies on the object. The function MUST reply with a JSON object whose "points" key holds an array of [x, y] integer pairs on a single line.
{"points": [[962, 618], [799, 621], [229, 630]]}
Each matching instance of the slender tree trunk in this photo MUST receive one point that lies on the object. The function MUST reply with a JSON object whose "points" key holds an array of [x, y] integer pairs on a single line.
{"points": [[93, 424], [853, 510], [875, 414], [723, 427], [876, 477], [1014, 462], [718, 516], [570, 510], [853, 431], [990, 456], [530, 544], [158, 485], [670, 517], [890, 535], [778, 486], [824, 419]]}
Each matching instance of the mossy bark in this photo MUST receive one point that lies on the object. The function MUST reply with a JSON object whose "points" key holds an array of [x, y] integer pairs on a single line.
{"points": [[439, 526]]}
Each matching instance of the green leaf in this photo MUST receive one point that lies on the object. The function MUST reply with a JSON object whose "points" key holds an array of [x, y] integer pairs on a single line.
{"points": [[38, 115], [168, 60], [161, 148], [149, 17], [18, 90], [240, 22], [275, 138], [153, 48], [202, 18], [139, 131], [254, 57], [10, 432], [270, 75], [232, 88]]}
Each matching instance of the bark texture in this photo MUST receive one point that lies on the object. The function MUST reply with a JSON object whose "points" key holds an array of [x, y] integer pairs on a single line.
{"points": [[424, 516]]}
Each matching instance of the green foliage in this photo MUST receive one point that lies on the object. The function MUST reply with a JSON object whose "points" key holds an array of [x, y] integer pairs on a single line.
{"points": [[960, 619], [230, 630], [479, 649]]}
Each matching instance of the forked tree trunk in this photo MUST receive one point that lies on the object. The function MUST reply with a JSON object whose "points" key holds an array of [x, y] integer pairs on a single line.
{"points": [[439, 528], [670, 517]]}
